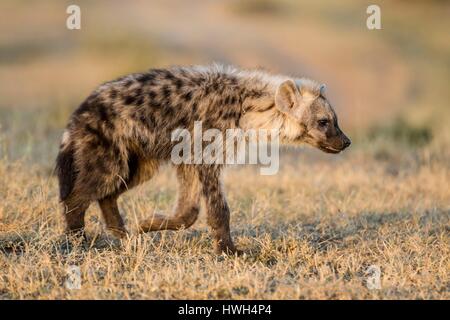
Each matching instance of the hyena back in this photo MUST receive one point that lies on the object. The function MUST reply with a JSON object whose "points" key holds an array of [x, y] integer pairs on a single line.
{"points": [[121, 133]]}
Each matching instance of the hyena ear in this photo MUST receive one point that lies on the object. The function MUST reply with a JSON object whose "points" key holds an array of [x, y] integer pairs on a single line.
{"points": [[323, 87], [289, 100]]}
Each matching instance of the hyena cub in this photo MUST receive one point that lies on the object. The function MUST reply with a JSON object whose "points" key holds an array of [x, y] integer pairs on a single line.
{"points": [[119, 136]]}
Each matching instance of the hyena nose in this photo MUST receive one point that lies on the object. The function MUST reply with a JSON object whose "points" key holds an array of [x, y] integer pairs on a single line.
{"points": [[347, 142]]}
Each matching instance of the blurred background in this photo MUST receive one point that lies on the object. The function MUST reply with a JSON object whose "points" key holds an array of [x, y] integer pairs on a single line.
{"points": [[390, 87]]}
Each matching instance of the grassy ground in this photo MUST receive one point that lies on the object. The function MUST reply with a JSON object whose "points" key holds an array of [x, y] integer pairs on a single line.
{"points": [[311, 231]]}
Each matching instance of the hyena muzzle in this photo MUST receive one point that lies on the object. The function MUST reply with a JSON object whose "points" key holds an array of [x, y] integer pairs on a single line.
{"points": [[121, 134]]}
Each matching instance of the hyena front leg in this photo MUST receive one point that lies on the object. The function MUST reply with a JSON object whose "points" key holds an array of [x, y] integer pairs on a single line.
{"points": [[187, 205], [218, 212], [113, 220]]}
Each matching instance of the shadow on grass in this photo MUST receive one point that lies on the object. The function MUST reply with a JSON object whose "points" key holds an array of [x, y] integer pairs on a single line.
{"points": [[348, 232], [320, 235]]}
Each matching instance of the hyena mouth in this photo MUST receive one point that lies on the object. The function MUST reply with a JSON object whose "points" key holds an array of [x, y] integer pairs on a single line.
{"points": [[329, 149]]}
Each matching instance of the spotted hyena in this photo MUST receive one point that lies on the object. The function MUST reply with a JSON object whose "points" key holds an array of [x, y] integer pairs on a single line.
{"points": [[119, 136]]}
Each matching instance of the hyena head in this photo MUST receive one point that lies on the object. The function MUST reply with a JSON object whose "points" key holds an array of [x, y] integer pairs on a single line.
{"points": [[304, 103]]}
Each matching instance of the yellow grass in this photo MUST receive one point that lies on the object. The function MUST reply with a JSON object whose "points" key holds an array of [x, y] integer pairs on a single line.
{"points": [[309, 232]]}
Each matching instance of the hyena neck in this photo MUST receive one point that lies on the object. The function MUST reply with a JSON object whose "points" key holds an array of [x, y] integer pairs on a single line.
{"points": [[258, 89], [258, 105]]}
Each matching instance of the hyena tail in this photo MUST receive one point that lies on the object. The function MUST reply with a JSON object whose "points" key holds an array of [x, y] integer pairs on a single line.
{"points": [[65, 170]]}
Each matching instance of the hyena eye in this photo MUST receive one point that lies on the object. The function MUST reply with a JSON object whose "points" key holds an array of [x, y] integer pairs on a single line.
{"points": [[323, 122]]}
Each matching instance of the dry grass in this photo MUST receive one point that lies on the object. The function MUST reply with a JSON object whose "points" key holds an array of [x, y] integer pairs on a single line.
{"points": [[309, 232]]}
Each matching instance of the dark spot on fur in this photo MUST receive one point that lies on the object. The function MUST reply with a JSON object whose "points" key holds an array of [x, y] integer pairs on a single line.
{"points": [[169, 75], [83, 108], [183, 121], [207, 124], [254, 94], [140, 100], [230, 100], [178, 84], [128, 83], [230, 114], [187, 96], [152, 95], [166, 92], [194, 107], [129, 100], [100, 137], [102, 112], [145, 77]]}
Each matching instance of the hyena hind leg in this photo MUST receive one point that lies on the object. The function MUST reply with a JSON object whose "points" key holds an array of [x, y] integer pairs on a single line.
{"points": [[74, 213], [111, 215], [187, 205]]}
